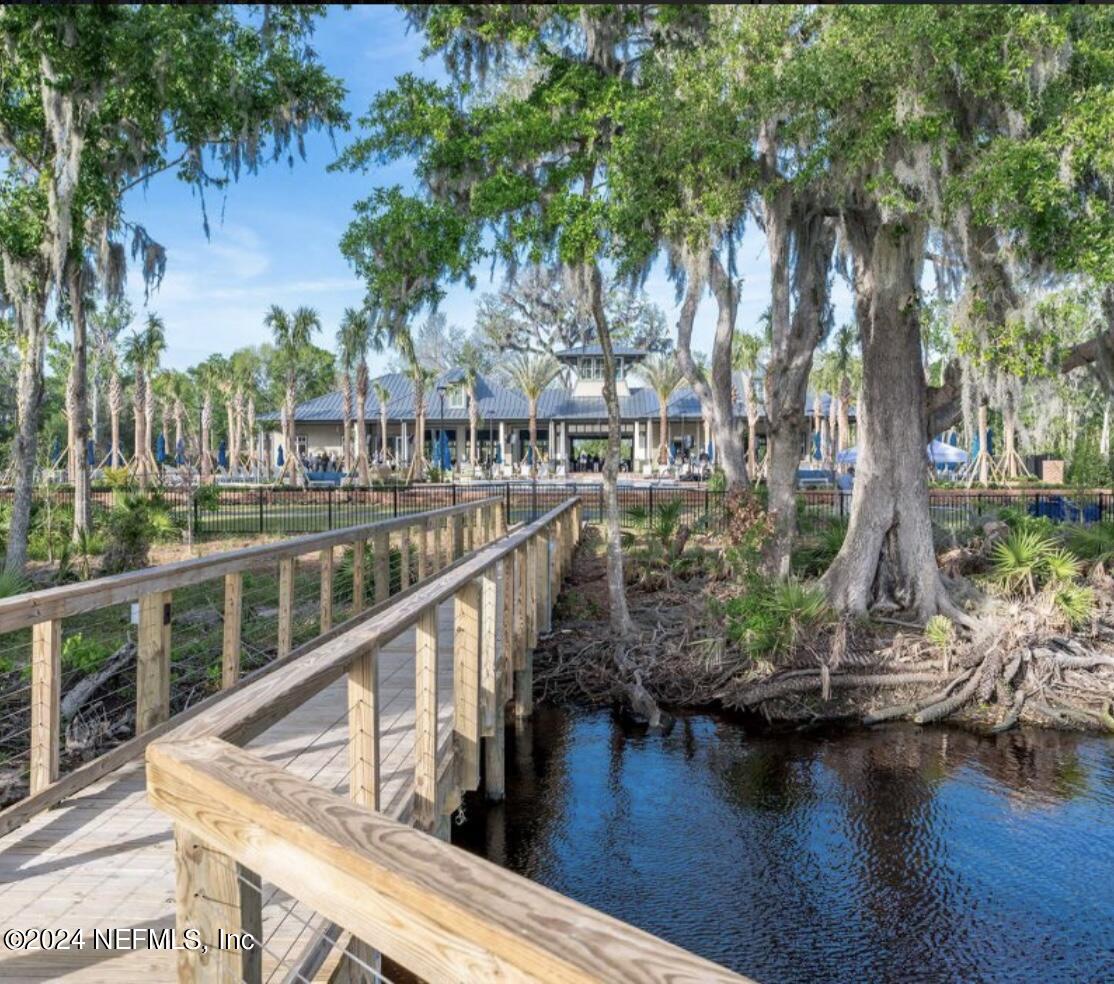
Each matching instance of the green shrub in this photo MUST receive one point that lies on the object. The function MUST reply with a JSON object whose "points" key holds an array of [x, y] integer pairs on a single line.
{"points": [[207, 498], [1076, 602], [768, 619], [816, 551], [1094, 542], [12, 584], [939, 631], [83, 655]]}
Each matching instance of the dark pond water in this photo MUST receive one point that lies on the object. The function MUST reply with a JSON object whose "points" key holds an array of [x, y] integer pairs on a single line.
{"points": [[900, 854]]}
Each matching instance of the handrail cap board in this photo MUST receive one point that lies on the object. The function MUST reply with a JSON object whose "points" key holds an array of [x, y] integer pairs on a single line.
{"points": [[444, 913], [23, 610]]}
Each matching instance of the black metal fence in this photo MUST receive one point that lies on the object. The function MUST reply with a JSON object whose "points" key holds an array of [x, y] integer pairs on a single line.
{"points": [[257, 510]]}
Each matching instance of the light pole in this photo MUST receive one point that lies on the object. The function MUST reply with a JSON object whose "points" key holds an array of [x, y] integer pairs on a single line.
{"points": [[441, 394]]}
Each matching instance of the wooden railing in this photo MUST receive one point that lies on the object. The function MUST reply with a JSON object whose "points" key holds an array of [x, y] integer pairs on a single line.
{"points": [[435, 538], [438, 911]]}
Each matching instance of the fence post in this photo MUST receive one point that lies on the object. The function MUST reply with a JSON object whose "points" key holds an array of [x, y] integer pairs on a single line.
{"points": [[329, 502], [260, 509], [46, 671], [394, 505], [507, 512], [381, 546], [651, 519], [325, 569], [358, 591]]}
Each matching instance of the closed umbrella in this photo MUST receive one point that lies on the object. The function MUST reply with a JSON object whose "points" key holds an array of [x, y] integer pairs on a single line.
{"points": [[180, 452], [90, 453], [56, 450], [816, 445], [281, 459], [160, 449], [222, 455], [444, 462]]}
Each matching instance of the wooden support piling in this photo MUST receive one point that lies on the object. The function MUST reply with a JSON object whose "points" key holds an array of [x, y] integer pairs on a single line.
{"points": [[493, 626], [46, 675], [404, 558]]}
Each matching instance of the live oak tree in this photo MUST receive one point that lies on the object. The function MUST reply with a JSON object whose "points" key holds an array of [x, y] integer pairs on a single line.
{"points": [[95, 100], [516, 172]]}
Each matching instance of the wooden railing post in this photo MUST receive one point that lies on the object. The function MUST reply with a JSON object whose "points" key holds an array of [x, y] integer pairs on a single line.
{"points": [[550, 572], [233, 616], [363, 729], [46, 674], [216, 896], [439, 536], [493, 622], [466, 685], [359, 592], [152, 670], [381, 544], [424, 535], [404, 558], [325, 566], [286, 606], [456, 547], [501, 519], [425, 721]]}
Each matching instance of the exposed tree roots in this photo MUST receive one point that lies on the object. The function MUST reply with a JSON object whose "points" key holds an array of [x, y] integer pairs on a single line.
{"points": [[1020, 663]]}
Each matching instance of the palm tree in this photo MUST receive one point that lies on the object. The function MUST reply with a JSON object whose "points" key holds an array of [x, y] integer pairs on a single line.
{"points": [[208, 376], [747, 355], [663, 375], [293, 334], [357, 329], [115, 404], [244, 365], [143, 351], [346, 357], [383, 395], [532, 374], [850, 369], [176, 393], [473, 361]]}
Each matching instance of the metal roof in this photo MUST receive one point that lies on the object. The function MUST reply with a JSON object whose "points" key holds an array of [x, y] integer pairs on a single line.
{"points": [[498, 402]]}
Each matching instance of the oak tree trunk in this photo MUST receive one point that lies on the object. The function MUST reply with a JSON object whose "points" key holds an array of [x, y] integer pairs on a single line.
{"points": [[887, 559], [79, 420]]}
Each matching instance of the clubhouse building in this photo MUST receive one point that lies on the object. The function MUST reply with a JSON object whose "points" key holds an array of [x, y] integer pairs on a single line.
{"points": [[571, 417]]}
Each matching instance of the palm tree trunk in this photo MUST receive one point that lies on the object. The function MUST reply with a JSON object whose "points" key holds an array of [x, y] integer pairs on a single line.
{"points": [[361, 423], [752, 425], [293, 461], [346, 413], [206, 421], [138, 400], [473, 428], [663, 426], [533, 437], [383, 430]]}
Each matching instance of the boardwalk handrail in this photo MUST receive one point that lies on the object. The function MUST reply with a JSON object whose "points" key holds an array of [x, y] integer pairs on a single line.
{"points": [[436, 910], [243, 715], [26, 609], [444, 535]]}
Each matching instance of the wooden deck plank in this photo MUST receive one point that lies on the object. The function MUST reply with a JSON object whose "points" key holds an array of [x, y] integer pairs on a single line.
{"points": [[105, 859]]}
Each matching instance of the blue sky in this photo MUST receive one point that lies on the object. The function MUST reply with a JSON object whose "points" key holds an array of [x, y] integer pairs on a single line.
{"points": [[274, 235]]}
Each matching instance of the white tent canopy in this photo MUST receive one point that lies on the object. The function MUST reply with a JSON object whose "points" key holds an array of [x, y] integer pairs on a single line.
{"points": [[938, 452]]}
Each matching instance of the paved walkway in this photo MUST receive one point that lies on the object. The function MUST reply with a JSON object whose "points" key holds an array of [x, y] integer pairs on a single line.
{"points": [[104, 859]]}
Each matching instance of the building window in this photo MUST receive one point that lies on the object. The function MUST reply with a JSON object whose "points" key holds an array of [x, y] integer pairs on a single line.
{"points": [[301, 442], [457, 398]]}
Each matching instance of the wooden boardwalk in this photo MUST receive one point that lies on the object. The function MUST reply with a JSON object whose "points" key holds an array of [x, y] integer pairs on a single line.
{"points": [[104, 859]]}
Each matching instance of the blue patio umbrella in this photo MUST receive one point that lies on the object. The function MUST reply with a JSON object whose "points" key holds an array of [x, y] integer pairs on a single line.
{"points": [[90, 453], [222, 454], [56, 450], [444, 461], [529, 454], [160, 449], [710, 450], [953, 439], [990, 441], [816, 445], [281, 459], [180, 452], [498, 453]]}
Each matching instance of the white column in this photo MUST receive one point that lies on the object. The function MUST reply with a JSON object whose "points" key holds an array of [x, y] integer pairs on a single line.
{"points": [[503, 441], [552, 444], [650, 446], [637, 450], [404, 451]]}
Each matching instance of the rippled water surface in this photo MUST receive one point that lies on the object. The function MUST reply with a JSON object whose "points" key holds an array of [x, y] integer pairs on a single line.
{"points": [[899, 854]]}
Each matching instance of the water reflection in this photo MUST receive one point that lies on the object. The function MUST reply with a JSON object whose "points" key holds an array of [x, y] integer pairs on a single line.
{"points": [[897, 854]]}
